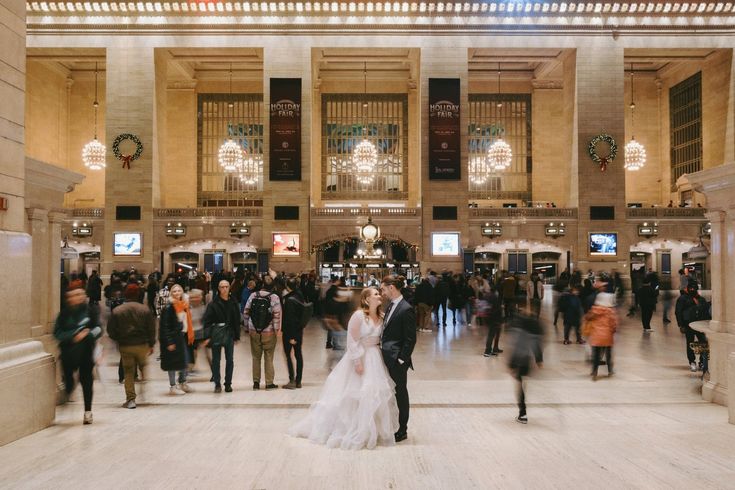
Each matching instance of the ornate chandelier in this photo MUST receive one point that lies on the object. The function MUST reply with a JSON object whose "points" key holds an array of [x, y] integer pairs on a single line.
{"points": [[250, 170], [230, 154], [635, 153], [365, 154], [94, 153], [364, 161], [479, 170], [499, 155]]}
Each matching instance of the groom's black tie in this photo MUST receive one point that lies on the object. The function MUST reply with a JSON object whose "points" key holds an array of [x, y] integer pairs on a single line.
{"points": [[388, 310]]}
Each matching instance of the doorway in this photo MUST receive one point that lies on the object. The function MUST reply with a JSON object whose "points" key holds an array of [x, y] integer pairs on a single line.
{"points": [[214, 261]]}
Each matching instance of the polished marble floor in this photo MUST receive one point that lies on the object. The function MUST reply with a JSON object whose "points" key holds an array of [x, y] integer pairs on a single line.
{"points": [[645, 428]]}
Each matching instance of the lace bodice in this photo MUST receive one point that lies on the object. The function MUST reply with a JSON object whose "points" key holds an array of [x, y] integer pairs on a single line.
{"points": [[362, 333]]}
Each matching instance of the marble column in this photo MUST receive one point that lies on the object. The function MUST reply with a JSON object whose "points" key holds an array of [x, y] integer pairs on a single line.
{"points": [[443, 62], [26, 371], [130, 89], [39, 228], [291, 59], [718, 186], [600, 109], [55, 221]]}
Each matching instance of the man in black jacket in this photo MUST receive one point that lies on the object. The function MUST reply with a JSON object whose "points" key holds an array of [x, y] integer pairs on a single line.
{"points": [[424, 301], [647, 298], [293, 331], [222, 329], [398, 341], [689, 308]]}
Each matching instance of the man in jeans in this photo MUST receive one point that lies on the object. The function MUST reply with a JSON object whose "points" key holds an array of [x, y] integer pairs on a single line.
{"points": [[133, 327], [222, 329], [263, 320]]}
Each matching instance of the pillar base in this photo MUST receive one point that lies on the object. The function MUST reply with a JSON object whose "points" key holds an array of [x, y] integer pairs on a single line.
{"points": [[27, 390], [721, 364]]}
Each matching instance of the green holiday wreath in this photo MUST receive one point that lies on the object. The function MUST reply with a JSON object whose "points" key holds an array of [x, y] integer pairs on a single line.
{"points": [[126, 159], [602, 161]]}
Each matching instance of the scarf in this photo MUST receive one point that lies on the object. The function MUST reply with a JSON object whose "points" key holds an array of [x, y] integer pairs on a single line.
{"points": [[183, 306]]}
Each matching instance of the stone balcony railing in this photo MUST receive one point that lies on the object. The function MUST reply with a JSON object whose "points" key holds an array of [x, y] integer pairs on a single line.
{"points": [[86, 213], [181, 213], [346, 212], [514, 213], [665, 213]]}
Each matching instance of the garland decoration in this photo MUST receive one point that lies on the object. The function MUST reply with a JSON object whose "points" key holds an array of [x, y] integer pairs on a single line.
{"points": [[603, 161], [382, 243], [126, 159]]}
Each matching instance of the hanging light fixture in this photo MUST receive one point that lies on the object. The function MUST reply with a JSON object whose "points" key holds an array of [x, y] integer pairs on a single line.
{"points": [[479, 170], [251, 169], [94, 153], [230, 154], [499, 155], [365, 154], [635, 153]]}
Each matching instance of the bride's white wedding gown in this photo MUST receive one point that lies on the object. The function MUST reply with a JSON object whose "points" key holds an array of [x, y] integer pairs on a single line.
{"points": [[355, 411]]}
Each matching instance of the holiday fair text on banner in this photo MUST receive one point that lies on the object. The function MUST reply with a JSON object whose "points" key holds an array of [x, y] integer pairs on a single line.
{"points": [[444, 130], [285, 129]]}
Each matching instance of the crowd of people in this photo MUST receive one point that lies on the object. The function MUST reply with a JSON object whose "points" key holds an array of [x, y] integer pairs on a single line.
{"points": [[190, 313]]}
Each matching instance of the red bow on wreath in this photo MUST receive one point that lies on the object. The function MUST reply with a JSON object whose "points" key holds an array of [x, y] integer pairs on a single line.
{"points": [[126, 159], [603, 164]]}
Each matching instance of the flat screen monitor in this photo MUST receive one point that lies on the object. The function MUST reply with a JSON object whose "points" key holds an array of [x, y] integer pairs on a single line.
{"points": [[287, 244], [127, 244], [445, 244], [603, 244]]}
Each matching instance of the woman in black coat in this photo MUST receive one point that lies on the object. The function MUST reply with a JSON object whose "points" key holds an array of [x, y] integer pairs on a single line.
{"points": [[173, 335]]}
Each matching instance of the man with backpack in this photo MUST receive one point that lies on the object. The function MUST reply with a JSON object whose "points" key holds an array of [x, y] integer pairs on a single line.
{"points": [[296, 314], [263, 319]]}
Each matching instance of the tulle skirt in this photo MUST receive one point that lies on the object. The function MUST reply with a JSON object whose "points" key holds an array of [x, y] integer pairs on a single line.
{"points": [[354, 411]]}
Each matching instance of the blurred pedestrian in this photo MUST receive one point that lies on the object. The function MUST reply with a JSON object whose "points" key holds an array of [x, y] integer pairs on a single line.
{"points": [[600, 325], [647, 298], [296, 314], [525, 334], [76, 329], [133, 326], [571, 308], [492, 314]]}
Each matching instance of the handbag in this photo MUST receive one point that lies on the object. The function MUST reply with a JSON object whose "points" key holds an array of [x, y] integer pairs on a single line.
{"points": [[220, 334]]}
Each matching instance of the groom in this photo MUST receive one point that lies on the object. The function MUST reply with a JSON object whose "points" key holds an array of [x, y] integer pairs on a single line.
{"points": [[399, 338]]}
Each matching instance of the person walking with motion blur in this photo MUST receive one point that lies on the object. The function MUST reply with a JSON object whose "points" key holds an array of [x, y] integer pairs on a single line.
{"points": [[296, 314], [571, 308], [77, 329], [601, 322], [176, 332], [526, 335], [133, 326]]}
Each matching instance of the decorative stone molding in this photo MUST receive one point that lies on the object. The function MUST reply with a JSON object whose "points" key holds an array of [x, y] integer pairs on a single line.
{"points": [[547, 84], [51, 177]]}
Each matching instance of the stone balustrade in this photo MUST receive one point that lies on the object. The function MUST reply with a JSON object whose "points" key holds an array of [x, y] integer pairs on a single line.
{"points": [[511, 213], [347, 212], [665, 213]]}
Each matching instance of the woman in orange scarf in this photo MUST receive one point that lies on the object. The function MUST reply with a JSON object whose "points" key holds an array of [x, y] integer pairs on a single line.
{"points": [[175, 334]]}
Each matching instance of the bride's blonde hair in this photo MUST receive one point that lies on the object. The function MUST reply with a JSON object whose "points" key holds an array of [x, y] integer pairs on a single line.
{"points": [[364, 302]]}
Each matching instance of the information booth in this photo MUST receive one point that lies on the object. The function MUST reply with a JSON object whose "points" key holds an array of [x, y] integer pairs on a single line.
{"points": [[360, 273]]}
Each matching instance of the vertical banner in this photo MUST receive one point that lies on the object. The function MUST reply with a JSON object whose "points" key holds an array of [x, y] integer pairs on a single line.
{"points": [[444, 130], [285, 129]]}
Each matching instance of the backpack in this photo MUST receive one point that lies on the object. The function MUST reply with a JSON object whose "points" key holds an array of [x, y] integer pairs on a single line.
{"points": [[261, 313]]}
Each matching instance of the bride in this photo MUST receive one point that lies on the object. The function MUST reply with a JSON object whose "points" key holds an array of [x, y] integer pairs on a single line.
{"points": [[357, 406]]}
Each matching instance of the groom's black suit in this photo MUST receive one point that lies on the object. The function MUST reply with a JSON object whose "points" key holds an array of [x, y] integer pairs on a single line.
{"points": [[399, 338]]}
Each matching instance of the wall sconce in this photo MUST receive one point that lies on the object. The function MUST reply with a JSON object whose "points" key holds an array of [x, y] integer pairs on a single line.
{"points": [[492, 229], [648, 230], [83, 230], [555, 230], [239, 229], [175, 230]]}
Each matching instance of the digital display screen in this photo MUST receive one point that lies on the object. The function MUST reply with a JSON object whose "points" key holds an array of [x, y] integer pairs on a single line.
{"points": [[127, 244], [602, 244], [445, 244], [287, 244]]}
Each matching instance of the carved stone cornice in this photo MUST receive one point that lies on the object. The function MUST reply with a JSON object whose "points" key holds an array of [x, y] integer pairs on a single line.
{"points": [[182, 85], [717, 184], [37, 214], [547, 84], [51, 177]]}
